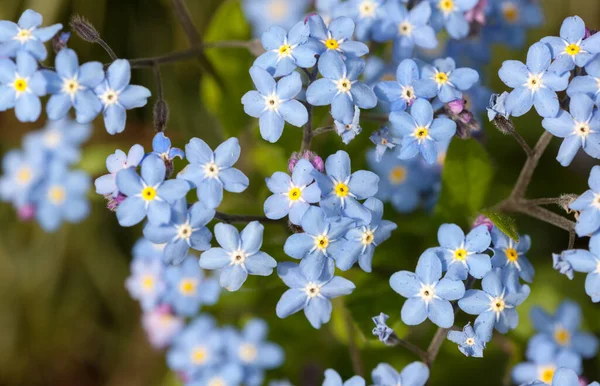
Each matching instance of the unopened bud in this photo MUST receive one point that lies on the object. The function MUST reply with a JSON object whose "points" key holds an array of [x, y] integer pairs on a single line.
{"points": [[26, 212], [482, 220], [456, 106], [84, 29], [161, 115], [316, 161], [59, 41], [113, 202]]}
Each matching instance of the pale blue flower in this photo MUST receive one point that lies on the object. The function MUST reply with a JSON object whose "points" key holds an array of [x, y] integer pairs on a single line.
{"points": [[452, 13], [464, 256], [348, 130], [146, 282], [510, 254], [588, 84], [336, 37], [161, 146], [588, 221], [445, 80], [26, 35], [468, 342], [414, 374], [400, 94], [332, 378], [107, 184]]}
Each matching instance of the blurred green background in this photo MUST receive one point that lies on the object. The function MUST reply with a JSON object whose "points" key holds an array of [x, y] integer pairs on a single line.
{"points": [[65, 316]]}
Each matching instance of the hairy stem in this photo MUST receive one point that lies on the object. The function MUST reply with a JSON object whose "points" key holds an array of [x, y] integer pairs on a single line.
{"points": [[107, 48], [159, 83], [530, 165], [322, 130]]}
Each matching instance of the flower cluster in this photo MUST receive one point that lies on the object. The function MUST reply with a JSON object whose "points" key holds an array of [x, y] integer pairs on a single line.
{"points": [[39, 180], [414, 374]]}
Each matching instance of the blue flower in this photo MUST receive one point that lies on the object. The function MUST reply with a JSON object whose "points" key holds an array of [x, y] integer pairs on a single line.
{"points": [[321, 241], [381, 329], [562, 330], [588, 84], [511, 18], [510, 254], [497, 106], [341, 189], [72, 86], [149, 195], [468, 342], [420, 132], [117, 95], [543, 362], [332, 378], [263, 14], [144, 249], [107, 184], [406, 28], [587, 262], [562, 266], [21, 86], [562, 377], [274, 103], [364, 237], [146, 283], [161, 146], [286, 51], [580, 129], [383, 141], [337, 37], [400, 93], [310, 293], [239, 255], [188, 288], [161, 326], [187, 229], [588, 221], [428, 295], [227, 374], [340, 88], [22, 170], [463, 256], [292, 196], [59, 140], [250, 350], [453, 14], [349, 129], [365, 13], [62, 196], [572, 48], [26, 35], [495, 305], [534, 83], [197, 348], [414, 374], [211, 172], [445, 80]]}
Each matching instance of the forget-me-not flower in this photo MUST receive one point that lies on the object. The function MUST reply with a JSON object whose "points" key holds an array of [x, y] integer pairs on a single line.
{"points": [[146, 282], [510, 254], [428, 294], [22, 170], [310, 293], [59, 140], [587, 84], [149, 195], [292, 196], [340, 87], [348, 130], [534, 83], [468, 342], [465, 256], [144, 249], [453, 14], [337, 37], [588, 204], [117, 95], [263, 14], [186, 229], [26, 35], [543, 361], [227, 374], [420, 132], [445, 80], [414, 374], [588, 262], [383, 141], [211, 172], [562, 377], [161, 146], [496, 106], [365, 13], [107, 184], [161, 326], [400, 93], [239, 255], [273, 103], [332, 378], [381, 329], [73, 86]]}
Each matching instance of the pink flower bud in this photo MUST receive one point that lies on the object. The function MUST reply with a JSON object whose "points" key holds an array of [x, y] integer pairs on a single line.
{"points": [[482, 220], [26, 212], [316, 161], [113, 202], [465, 116], [457, 106], [477, 14]]}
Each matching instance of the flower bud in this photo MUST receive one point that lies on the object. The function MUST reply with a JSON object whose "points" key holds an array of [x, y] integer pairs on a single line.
{"points": [[316, 161], [482, 220], [161, 115], [59, 41], [84, 29], [26, 212], [457, 106], [113, 202]]}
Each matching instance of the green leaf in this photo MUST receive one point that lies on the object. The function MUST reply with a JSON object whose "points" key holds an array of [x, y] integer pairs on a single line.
{"points": [[93, 159], [466, 179], [503, 222]]}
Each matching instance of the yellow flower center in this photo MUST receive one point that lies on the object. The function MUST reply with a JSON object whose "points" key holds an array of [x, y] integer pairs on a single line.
{"points": [[188, 287], [24, 175], [460, 254], [147, 283], [23, 35], [71, 86], [332, 44], [285, 50], [405, 28], [294, 194], [149, 193], [446, 6], [546, 374], [397, 175], [562, 336], [199, 355], [341, 189], [421, 133], [248, 352], [20, 85], [572, 49], [510, 12], [511, 255], [57, 194], [367, 237], [321, 242], [440, 78]]}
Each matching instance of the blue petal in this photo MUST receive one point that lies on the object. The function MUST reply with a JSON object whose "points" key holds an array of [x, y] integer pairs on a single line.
{"points": [[271, 126], [441, 313], [134, 96], [413, 312], [131, 211], [114, 119], [405, 283], [118, 74]]}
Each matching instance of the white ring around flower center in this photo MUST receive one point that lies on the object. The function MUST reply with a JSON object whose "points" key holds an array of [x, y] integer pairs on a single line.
{"points": [[582, 129], [24, 35], [248, 352], [408, 93], [405, 28], [71, 87], [312, 290], [534, 82], [344, 85], [237, 257], [272, 102], [367, 9], [110, 97], [211, 170], [184, 231], [427, 292]]}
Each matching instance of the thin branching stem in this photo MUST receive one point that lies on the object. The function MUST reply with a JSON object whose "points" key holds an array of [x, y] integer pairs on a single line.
{"points": [[107, 48]]}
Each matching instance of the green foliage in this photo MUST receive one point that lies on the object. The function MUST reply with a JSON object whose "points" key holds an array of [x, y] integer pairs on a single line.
{"points": [[503, 222]]}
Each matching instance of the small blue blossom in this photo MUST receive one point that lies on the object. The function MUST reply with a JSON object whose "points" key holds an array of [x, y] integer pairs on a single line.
{"points": [[497, 106], [228, 374], [572, 48], [588, 84], [468, 342], [144, 249], [161, 326], [406, 28], [286, 51], [21, 86], [292, 196], [428, 295], [348, 130], [562, 377], [187, 229], [341, 189], [73, 86], [337, 37], [239, 255], [534, 83], [26, 35], [107, 184], [588, 221], [146, 283], [321, 242], [414, 374], [452, 13], [542, 363], [383, 141], [512, 18], [420, 132], [211, 172], [365, 237], [149, 195], [59, 140], [400, 93], [274, 103], [117, 95], [562, 266], [510, 254], [365, 13], [580, 129], [22, 170], [588, 262], [381, 329], [463, 256], [495, 304], [340, 88], [263, 14], [332, 378], [188, 289], [312, 294], [444, 80], [161, 146]]}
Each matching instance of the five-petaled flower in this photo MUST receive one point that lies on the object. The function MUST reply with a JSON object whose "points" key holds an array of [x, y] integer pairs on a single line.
{"points": [[400, 93], [445, 80], [468, 342], [453, 15], [26, 35], [588, 204], [510, 254], [335, 38], [107, 184], [414, 374], [588, 262], [465, 256]]}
